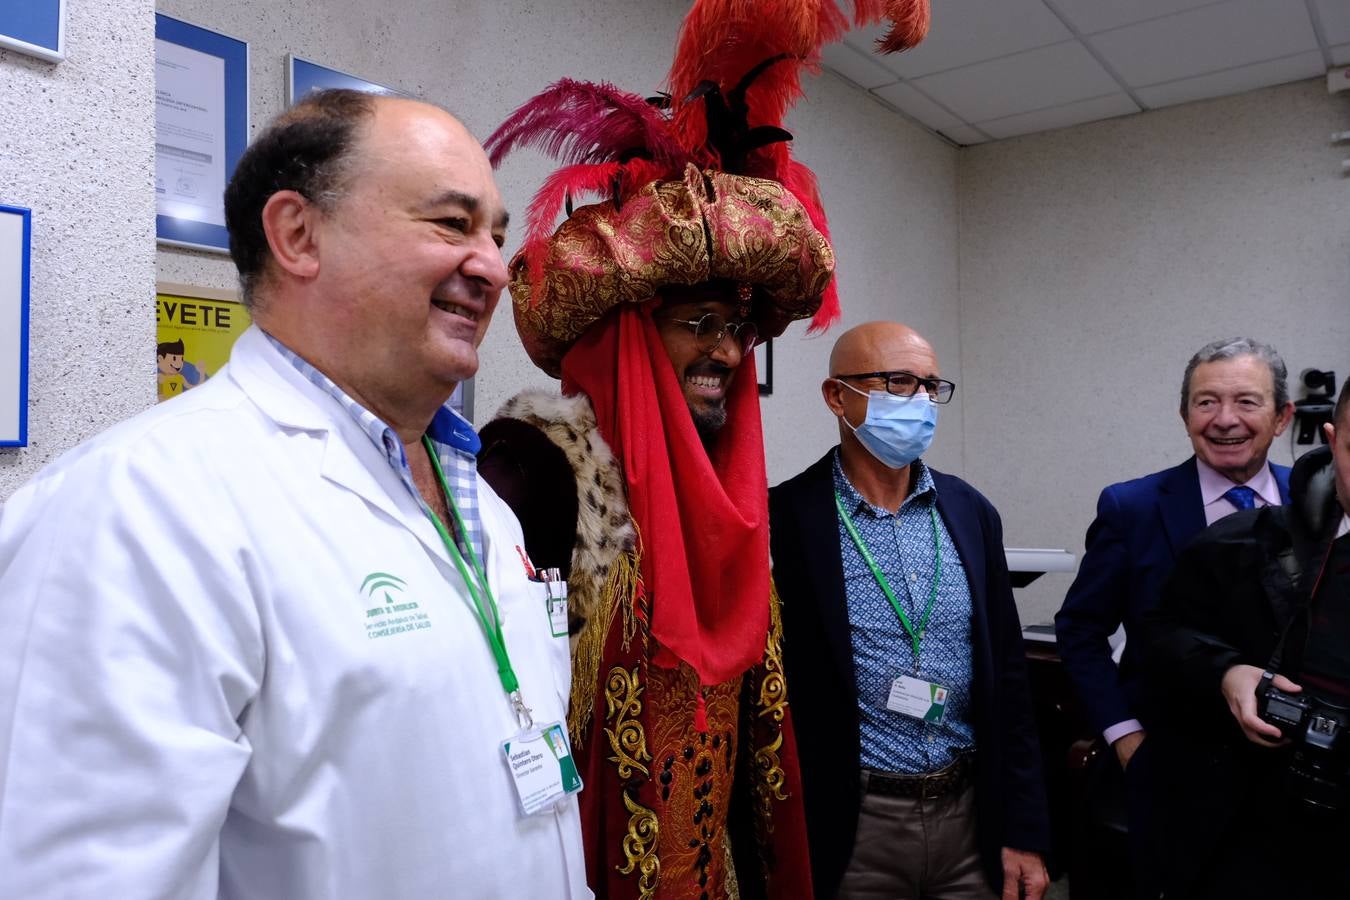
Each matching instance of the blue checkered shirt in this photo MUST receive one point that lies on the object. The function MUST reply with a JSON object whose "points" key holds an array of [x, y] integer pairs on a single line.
{"points": [[902, 546], [453, 438]]}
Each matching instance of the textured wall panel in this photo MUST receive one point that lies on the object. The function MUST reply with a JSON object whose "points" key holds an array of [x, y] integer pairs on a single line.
{"points": [[77, 147]]}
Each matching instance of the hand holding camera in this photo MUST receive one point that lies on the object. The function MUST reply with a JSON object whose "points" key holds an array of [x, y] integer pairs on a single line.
{"points": [[1239, 686]]}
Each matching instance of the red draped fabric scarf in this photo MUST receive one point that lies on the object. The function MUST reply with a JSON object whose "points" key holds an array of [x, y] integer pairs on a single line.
{"points": [[702, 518]]}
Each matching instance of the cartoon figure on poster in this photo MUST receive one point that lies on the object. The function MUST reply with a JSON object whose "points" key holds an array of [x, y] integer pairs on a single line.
{"points": [[172, 370]]}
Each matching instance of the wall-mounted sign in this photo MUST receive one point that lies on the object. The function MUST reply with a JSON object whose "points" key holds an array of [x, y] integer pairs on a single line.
{"points": [[35, 27], [16, 235], [303, 76], [201, 129], [196, 330]]}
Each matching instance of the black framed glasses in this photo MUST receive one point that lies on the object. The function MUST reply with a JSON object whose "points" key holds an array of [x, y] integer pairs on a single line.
{"points": [[710, 329], [907, 384]]}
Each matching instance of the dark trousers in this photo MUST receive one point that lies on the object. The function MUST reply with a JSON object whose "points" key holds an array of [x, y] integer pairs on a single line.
{"points": [[911, 849]]}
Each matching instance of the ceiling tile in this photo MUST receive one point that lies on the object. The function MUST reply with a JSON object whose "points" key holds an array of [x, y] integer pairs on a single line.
{"points": [[1340, 56], [1117, 104], [857, 67], [970, 31], [1048, 76], [965, 135], [1089, 16], [912, 102], [1219, 36], [1234, 81], [1335, 16]]}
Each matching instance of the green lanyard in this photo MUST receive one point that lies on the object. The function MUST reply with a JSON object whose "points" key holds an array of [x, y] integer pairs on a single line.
{"points": [[479, 591], [915, 637]]}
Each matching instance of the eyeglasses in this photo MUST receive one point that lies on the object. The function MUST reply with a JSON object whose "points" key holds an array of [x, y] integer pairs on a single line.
{"points": [[907, 384], [710, 329]]}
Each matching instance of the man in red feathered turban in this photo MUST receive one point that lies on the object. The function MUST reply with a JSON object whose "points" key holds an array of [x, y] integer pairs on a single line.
{"points": [[649, 310], [647, 306]]}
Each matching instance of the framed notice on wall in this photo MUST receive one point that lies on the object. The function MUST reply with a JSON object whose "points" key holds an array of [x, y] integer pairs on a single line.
{"points": [[16, 235], [764, 367], [201, 129], [196, 329], [303, 76], [35, 27]]}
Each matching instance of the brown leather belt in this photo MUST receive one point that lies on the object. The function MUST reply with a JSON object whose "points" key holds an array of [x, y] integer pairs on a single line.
{"points": [[952, 778]]}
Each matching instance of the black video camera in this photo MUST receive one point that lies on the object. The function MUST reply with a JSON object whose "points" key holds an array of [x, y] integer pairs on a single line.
{"points": [[1319, 771]]}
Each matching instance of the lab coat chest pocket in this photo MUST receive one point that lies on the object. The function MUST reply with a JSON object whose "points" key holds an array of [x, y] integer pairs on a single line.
{"points": [[546, 663]]}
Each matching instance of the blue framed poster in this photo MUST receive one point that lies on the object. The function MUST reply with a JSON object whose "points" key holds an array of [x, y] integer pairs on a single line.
{"points": [[201, 129], [35, 27], [16, 237], [303, 76]]}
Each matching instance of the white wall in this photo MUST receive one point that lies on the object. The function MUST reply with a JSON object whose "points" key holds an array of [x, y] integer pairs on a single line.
{"points": [[77, 148], [1096, 260]]}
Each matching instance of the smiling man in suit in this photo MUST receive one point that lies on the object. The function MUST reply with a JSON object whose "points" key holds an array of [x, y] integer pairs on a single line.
{"points": [[920, 768], [1234, 403]]}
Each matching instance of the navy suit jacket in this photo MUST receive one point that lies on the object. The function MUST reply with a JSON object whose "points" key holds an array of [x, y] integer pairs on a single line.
{"points": [[1140, 528], [818, 660]]}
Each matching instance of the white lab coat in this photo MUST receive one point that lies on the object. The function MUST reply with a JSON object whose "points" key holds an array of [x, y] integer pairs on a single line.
{"points": [[193, 702]]}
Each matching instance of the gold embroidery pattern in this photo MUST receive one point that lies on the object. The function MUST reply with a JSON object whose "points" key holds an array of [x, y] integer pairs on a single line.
{"points": [[623, 704], [624, 581], [639, 847], [773, 689], [770, 779], [705, 226]]}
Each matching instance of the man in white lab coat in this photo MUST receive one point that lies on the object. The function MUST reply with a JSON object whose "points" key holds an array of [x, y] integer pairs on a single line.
{"points": [[274, 638]]}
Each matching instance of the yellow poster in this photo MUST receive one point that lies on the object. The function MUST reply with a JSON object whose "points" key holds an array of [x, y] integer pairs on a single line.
{"points": [[196, 333]]}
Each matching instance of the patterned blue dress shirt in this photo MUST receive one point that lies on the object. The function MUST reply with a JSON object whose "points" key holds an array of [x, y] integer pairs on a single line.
{"points": [[453, 438], [902, 546]]}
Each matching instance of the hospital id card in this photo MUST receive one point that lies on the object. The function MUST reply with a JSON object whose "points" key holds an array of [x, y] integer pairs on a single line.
{"points": [[542, 767], [918, 698]]}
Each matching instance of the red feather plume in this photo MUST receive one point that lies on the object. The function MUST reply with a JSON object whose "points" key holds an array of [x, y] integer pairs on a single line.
{"points": [[801, 181], [909, 21], [584, 122]]}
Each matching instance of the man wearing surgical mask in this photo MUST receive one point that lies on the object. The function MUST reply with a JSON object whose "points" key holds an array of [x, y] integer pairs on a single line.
{"points": [[920, 766]]}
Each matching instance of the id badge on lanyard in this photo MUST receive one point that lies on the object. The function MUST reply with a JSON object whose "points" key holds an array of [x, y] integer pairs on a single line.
{"points": [[539, 760], [542, 767]]}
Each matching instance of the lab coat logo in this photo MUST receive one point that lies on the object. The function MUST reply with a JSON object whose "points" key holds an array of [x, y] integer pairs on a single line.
{"points": [[388, 611]]}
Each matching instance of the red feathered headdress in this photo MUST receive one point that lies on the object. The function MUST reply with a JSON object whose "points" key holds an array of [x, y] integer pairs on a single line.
{"points": [[737, 71]]}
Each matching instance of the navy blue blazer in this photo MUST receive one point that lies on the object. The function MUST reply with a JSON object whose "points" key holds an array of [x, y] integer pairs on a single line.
{"points": [[1140, 528], [818, 661]]}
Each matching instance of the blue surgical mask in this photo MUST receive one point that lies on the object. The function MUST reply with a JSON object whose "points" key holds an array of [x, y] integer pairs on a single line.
{"points": [[897, 430]]}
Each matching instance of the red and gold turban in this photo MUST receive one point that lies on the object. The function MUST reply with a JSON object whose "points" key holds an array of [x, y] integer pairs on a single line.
{"points": [[700, 184], [706, 226]]}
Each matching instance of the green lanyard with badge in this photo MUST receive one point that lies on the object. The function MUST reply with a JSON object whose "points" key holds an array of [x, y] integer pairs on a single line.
{"points": [[539, 759], [909, 695]]}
